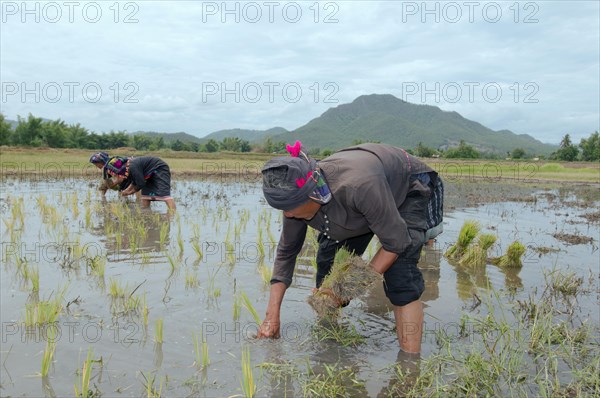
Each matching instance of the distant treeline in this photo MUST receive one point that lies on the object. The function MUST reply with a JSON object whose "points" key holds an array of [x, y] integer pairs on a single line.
{"points": [[36, 132]]}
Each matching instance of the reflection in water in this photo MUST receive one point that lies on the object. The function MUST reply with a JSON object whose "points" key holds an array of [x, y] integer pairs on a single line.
{"points": [[158, 355], [130, 229], [469, 279], [377, 303], [47, 388], [408, 370]]}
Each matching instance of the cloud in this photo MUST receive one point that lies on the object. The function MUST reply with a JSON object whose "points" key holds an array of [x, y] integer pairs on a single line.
{"points": [[173, 55]]}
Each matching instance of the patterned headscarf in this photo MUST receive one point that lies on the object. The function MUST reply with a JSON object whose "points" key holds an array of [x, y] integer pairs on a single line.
{"points": [[100, 157], [118, 166], [301, 171]]}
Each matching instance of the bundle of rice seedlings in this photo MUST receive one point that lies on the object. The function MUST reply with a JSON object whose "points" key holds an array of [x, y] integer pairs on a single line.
{"points": [[468, 232], [476, 255], [513, 255], [350, 277]]}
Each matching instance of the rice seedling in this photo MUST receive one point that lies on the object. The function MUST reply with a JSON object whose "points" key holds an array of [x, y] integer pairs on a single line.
{"points": [[477, 254], [179, 240], [282, 374], [164, 234], [151, 390], [237, 305], [49, 351], [266, 273], [34, 276], [86, 373], [118, 240], [467, 233], [513, 255], [237, 230], [197, 249], [116, 290], [145, 256], [202, 358], [75, 205], [350, 277], [88, 216], [334, 381], [173, 263], [158, 333], [248, 304], [260, 244], [191, 279], [44, 311], [145, 310], [131, 304], [247, 381], [341, 333], [565, 283]]}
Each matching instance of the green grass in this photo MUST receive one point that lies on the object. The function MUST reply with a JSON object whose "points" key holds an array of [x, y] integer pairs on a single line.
{"points": [[27, 160]]}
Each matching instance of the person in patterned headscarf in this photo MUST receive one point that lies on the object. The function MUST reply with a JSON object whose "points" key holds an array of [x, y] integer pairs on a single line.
{"points": [[101, 160], [349, 197], [148, 174]]}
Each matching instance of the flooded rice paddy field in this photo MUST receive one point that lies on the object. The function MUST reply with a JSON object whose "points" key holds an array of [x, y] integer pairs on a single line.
{"points": [[107, 276]]}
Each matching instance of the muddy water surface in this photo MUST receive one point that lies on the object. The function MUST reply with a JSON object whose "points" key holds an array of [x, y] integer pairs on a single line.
{"points": [[61, 226]]}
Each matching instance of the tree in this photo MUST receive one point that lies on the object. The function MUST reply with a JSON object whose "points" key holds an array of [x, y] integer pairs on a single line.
{"points": [[118, 139], [590, 148], [28, 132], [211, 146], [518, 153], [54, 134], [424, 151], [567, 151], [463, 151], [77, 136], [177, 145], [235, 144], [5, 131], [141, 142]]}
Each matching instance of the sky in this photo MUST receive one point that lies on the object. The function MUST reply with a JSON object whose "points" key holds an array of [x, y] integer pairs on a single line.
{"points": [[532, 67]]}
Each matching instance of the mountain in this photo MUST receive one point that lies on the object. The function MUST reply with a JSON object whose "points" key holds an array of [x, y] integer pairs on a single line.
{"points": [[385, 118], [170, 137], [248, 135]]}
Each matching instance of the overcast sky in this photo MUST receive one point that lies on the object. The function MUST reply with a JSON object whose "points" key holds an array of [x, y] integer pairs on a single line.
{"points": [[198, 67]]}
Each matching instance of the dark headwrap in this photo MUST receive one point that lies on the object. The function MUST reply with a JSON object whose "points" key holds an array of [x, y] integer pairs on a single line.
{"points": [[100, 157], [118, 166], [302, 180]]}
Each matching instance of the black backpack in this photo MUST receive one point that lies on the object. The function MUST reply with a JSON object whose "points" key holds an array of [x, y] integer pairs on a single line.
{"points": [[435, 208]]}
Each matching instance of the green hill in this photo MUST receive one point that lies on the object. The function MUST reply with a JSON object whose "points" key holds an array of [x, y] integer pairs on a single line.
{"points": [[388, 119], [248, 135], [170, 137]]}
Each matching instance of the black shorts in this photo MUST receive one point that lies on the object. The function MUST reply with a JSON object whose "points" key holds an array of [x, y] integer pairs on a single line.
{"points": [[403, 281], [158, 186]]}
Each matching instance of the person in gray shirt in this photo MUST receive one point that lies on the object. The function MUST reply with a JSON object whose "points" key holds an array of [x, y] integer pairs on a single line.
{"points": [[358, 192]]}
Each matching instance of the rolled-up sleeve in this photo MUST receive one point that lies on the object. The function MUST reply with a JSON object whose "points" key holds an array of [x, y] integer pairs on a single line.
{"points": [[291, 240], [375, 201]]}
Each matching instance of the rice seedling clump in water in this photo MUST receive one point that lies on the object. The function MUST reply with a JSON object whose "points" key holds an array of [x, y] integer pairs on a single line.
{"points": [[513, 255], [476, 255], [350, 277], [467, 233]]}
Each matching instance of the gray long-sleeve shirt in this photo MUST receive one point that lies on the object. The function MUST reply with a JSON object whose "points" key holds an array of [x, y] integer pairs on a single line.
{"points": [[368, 183]]}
